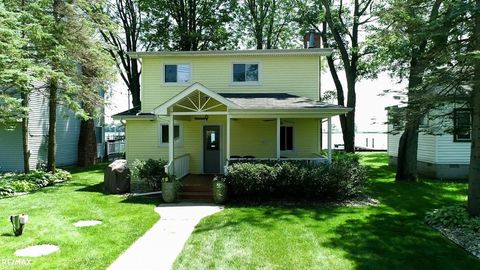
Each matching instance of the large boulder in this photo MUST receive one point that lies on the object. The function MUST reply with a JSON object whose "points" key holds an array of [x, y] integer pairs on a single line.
{"points": [[117, 177]]}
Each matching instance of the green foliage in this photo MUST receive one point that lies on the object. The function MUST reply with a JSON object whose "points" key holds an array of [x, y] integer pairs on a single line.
{"points": [[151, 171], [455, 216], [186, 25], [267, 24], [11, 183], [342, 155], [340, 180], [11, 111], [220, 190]]}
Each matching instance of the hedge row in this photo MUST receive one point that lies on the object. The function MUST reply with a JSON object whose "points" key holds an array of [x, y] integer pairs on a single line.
{"points": [[343, 178], [11, 183]]}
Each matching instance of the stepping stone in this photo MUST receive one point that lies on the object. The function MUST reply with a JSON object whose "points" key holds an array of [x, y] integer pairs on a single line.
{"points": [[37, 251], [87, 223]]}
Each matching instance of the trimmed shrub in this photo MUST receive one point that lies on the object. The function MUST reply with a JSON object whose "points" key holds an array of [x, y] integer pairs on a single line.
{"points": [[11, 183], [339, 155], [150, 171], [344, 178]]}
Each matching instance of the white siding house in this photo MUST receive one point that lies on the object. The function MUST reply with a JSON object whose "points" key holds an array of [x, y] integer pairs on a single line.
{"points": [[444, 156]]}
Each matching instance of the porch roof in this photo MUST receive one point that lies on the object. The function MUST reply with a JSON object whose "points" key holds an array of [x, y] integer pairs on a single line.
{"points": [[275, 101]]}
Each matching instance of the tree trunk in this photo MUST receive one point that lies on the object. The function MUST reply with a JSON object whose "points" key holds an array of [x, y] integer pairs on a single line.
{"points": [[135, 84], [474, 171], [349, 131], [52, 125], [25, 146], [407, 155], [87, 144], [408, 145]]}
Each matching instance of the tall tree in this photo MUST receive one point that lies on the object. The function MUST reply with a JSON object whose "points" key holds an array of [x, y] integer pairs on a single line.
{"points": [[419, 38], [64, 49], [120, 24], [339, 25], [18, 69], [95, 75], [188, 25], [474, 170], [269, 24]]}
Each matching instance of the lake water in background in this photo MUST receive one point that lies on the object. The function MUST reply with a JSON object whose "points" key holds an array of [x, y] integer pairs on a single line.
{"points": [[377, 141]]}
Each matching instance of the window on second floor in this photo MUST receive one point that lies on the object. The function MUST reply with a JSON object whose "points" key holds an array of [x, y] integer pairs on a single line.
{"points": [[178, 73], [286, 138], [462, 125], [243, 73]]}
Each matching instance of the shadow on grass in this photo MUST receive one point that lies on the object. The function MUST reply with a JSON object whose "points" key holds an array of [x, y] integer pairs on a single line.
{"points": [[155, 200], [98, 188], [397, 241], [97, 168], [392, 235], [268, 217]]}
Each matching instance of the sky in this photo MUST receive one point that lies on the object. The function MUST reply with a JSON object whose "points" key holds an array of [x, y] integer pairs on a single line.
{"points": [[370, 111]]}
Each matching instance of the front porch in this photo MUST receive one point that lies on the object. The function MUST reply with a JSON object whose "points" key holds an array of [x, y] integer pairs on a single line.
{"points": [[222, 128]]}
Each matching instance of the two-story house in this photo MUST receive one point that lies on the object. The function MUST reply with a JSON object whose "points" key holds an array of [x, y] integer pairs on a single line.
{"points": [[202, 109]]}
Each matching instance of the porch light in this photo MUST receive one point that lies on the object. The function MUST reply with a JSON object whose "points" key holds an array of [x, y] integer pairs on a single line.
{"points": [[202, 118]]}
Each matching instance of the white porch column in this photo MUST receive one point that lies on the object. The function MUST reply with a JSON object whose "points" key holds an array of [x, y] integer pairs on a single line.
{"points": [[278, 137], [329, 134], [228, 136], [171, 144]]}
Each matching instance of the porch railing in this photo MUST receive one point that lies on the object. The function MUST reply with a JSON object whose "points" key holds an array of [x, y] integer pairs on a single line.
{"points": [[180, 166]]}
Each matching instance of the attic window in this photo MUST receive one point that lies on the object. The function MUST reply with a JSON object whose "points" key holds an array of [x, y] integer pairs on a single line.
{"points": [[245, 73], [177, 73], [462, 123]]}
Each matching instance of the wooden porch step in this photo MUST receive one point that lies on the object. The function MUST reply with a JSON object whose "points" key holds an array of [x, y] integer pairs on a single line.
{"points": [[195, 196]]}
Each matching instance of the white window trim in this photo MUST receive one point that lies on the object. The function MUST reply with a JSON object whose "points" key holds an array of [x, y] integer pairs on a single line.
{"points": [[247, 83], [176, 83], [178, 141], [293, 151]]}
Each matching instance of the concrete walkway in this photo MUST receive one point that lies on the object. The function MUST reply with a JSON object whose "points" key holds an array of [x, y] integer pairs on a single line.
{"points": [[159, 247]]}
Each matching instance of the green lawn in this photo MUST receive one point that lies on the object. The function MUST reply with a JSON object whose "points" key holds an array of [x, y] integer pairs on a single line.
{"points": [[389, 236], [52, 212]]}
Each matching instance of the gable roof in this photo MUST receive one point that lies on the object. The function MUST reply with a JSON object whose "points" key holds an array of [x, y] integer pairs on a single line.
{"points": [[163, 109], [267, 52]]}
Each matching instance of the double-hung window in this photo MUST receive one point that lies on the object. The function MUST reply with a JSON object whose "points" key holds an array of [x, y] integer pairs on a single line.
{"points": [[286, 138], [462, 123], [177, 73], [246, 73]]}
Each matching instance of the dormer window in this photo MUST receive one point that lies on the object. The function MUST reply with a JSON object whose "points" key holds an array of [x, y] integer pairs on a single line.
{"points": [[177, 73], [245, 73]]}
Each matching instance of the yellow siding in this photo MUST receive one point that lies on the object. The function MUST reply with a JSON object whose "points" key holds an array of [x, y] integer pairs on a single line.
{"points": [[254, 137], [298, 75]]}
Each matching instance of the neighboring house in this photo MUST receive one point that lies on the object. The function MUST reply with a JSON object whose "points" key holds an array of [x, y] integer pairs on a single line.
{"points": [[203, 109], [68, 128], [443, 155]]}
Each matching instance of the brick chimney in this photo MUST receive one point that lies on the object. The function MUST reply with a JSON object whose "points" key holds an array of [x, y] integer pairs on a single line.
{"points": [[311, 39]]}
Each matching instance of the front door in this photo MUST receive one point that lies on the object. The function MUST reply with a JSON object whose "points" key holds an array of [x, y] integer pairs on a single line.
{"points": [[211, 149]]}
